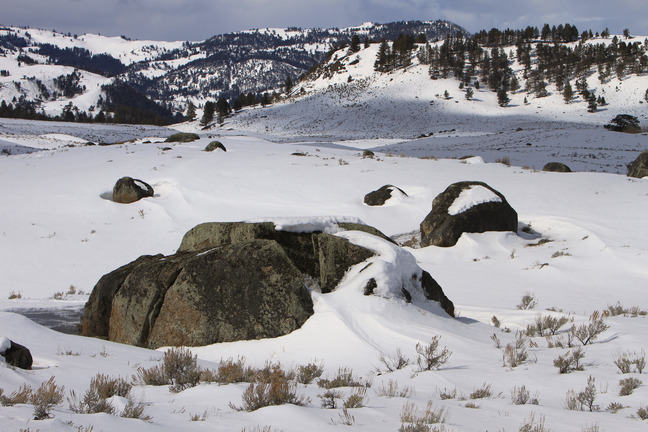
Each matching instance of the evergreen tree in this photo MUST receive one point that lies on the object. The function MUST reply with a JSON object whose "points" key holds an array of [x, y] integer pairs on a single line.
{"points": [[382, 59], [265, 99], [208, 113], [446, 94], [469, 93], [592, 106], [223, 107], [502, 97], [355, 44], [568, 93], [288, 85], [191, 112]]}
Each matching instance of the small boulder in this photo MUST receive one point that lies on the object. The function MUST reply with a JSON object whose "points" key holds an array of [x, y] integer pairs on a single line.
{"points": [[379, 197], [639, 167], [15, 354], [556, 167], [183, 137], [472, 207], [215, 145], [128, 190]]}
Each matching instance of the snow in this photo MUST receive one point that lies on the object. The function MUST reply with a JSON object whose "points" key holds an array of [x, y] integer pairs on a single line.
{"points": [[5, 344], [581, 247], [470, 197]]}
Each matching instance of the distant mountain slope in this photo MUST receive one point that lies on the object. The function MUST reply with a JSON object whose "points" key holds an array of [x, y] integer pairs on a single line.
{"points": [[347, 98], [175, 72]]}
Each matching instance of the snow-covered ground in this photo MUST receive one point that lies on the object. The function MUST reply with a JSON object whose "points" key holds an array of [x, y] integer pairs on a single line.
{"points": [[583, 248]]}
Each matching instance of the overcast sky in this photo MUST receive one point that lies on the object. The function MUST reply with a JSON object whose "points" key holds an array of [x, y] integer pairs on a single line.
{"points": [[200, 19]]}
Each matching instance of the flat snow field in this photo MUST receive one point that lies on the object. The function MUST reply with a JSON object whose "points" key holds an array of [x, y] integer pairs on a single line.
{"points": [[582, 246]]}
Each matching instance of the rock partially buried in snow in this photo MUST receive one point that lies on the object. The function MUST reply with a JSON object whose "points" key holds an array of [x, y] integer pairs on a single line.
{"points": [[215, 145], [238, 281], [639, 167], [556, 167], [472, 207], [15, 354], [381, 196], [128, 190]]}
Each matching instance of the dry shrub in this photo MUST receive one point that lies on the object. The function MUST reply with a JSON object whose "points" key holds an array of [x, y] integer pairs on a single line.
{"points": [[546, 325], [411, 420], [306, 374], [47, 396], [233, 371], [134, 410], [626, 361], [394, 362], [430, 356], [521, 396], [628, 385], [344, 378], [20, 396], [642, 412], [589, 331], [583, 399], [357, 398], [570, 361], [448, 394], [527, 302], [515, 354], [531, 425], [617, 309], [179, 369], [483, 392], [263, 394], [392, 390], [614, 407], [329, 398]]}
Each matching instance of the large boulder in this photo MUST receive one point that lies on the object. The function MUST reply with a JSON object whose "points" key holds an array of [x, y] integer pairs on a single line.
{"points": [[128, 190], [227, 282], [639, 167], [556, 167], [379, 197], [472, 207], [15, 354]]}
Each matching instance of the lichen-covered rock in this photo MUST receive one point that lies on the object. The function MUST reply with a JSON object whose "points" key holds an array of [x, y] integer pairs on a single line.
{"points": [[379, 197], [250, 290], [556, 167], [639, 167], [472, 207], [128, 190]]}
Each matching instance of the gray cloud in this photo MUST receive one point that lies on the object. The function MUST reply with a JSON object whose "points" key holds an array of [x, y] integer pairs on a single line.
{"points": [[200, 19]]}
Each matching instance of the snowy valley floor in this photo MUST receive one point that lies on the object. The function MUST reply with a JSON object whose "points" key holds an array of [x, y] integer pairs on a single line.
{"points": [[582, 246]]}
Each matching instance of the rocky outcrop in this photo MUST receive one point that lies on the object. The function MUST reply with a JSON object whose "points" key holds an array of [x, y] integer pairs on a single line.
{"points": [[227, 282], [556, 167], [472, 207], [379, 197], [128, 190], [17, 355], [639, 167]]}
